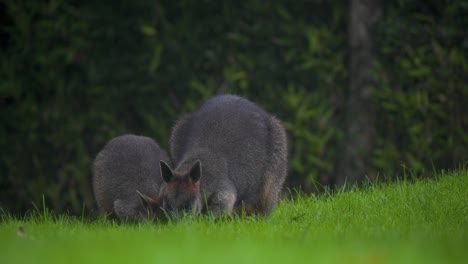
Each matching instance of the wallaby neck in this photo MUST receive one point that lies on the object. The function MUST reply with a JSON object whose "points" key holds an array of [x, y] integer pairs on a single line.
{"points": [[206, 157]]}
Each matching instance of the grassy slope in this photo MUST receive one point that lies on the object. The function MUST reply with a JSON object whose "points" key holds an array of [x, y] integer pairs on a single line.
{"points": [[422, 222]]}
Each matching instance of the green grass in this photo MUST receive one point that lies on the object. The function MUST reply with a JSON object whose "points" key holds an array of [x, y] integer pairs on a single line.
{"points": [[421, 222]]}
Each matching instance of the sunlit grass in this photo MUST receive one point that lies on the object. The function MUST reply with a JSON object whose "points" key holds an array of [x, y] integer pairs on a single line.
{"points": [[421, 222]]}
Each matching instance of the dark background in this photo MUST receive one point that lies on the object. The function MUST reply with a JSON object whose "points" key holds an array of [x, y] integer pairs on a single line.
{"points": [[383, 104]]}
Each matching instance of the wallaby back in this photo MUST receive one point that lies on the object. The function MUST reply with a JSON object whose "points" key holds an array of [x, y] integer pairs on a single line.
{"points": [[242, 151], [127, 178]]}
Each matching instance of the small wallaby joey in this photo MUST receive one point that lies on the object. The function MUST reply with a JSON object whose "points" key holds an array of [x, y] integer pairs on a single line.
{"points": [[127, 177], [229, 155]]}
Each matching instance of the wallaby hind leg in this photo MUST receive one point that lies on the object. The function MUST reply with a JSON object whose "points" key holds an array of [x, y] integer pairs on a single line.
{"points": [[276, 172], [269, 197], [125, 210]]}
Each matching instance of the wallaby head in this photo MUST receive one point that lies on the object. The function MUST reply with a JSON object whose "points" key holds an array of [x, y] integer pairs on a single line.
{"points": [[151, 206], [181, 193]]}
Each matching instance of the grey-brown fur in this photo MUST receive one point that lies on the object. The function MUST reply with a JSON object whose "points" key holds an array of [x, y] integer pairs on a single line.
{"points": [[243, 155], [127, 177]]}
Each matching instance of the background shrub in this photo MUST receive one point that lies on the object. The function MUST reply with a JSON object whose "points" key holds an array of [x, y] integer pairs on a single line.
{"points": [[76, 73]]}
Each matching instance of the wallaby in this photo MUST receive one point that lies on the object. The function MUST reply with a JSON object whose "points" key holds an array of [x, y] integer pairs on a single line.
{"points": [[229, 155], [127, 177]]}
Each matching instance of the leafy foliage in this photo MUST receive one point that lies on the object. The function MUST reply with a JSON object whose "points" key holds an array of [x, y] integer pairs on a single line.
{"points": [[75, 74], [422, 75]]}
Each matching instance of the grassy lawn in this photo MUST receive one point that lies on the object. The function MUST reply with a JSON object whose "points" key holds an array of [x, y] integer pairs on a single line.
{"points": [[420, 222]]}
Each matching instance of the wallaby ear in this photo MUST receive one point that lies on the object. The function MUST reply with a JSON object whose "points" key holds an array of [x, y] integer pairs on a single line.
{"points": [[145, 200], [195, 171], [166, 171]]}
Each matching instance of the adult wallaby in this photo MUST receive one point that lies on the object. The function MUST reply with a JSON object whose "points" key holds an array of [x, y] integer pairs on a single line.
{"points": [[229, 155], [127, 177]]}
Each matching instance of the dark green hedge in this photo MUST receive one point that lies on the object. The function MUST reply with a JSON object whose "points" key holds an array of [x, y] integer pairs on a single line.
{"points": [[75, 74], [422, 93]]}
